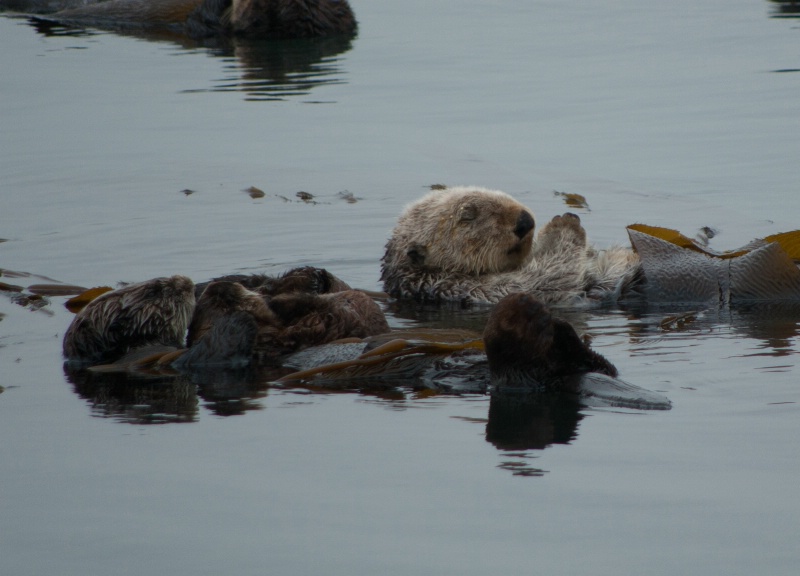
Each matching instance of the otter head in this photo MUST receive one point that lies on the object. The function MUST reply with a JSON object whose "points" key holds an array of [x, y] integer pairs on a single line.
{"points": [[527, 347], [462, 230], [519, 336], [221, 299], [288, 18]]}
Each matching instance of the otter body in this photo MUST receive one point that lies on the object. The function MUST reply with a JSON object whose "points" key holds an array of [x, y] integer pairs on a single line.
{"points": [[475, 245], [205, 18], [156, 312], [230, 323], [530, 355], [529, 348]]}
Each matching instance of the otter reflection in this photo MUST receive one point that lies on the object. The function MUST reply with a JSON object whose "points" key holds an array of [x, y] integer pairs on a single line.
{"points": [[137, 398], [280, 70], [521, 421]]}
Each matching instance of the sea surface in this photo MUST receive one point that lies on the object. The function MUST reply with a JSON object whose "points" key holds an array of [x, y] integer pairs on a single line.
{"points": [[124, 157]]}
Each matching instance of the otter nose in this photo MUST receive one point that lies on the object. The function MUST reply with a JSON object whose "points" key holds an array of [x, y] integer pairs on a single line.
{"points": [[524, 224]]}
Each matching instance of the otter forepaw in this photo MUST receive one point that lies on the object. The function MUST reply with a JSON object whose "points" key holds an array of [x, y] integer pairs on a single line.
{"points": [[562, 232]]}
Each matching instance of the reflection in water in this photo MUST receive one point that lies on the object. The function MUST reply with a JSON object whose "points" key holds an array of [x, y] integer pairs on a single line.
{"points": [[166, 398], [522, 421], [136, 400], [278, 70], [261, 69], [775, 326]]}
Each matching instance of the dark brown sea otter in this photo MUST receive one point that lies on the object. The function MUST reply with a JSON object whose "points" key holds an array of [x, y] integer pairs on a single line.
{"points": [[531, 355], [156, 312], [229, 324], [529, 348], [205, 18], [285, 323]]}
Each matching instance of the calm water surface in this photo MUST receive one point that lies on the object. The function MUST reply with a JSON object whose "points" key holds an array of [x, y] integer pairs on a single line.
{"points": [[680, 114]]}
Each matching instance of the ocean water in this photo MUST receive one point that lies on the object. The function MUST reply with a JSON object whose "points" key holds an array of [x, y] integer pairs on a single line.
{"points": [[123, 158]]}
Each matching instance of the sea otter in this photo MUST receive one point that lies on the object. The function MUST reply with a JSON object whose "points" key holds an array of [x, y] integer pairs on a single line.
{"points": [[473, 245], [228, 321], [525, 352], [529, 348], [206, 18], [156, 312]]}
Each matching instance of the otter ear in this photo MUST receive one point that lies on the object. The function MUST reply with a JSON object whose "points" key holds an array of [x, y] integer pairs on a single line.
{"points": [[417, 253]]}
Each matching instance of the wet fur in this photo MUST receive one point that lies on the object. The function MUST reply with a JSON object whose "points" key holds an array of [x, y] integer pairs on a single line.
{"points": [[221, 299], [264, 19], [235, 317], [529, 348], [304, 279], [312, 319], [284, 323], [138, 315], [435, 254]]}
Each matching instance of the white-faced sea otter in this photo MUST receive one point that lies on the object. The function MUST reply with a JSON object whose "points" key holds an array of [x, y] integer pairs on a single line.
{"points": [[473, 245]]}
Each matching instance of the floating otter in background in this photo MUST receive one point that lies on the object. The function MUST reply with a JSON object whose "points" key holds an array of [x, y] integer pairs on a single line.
{"points": [[473, 245], [206, 18], [230, 322]]}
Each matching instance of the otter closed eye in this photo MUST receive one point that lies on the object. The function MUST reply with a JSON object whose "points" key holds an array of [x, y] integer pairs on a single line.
{"points": [[468, 214]]}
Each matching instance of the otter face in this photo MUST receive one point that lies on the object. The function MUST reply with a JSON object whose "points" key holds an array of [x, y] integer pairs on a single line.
{"points": [[222, 299], [465, 230]]}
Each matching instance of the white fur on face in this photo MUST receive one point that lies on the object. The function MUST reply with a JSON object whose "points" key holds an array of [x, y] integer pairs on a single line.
{"points": [[467, 230]]}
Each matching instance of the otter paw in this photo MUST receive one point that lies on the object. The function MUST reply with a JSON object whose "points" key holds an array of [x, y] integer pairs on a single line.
{"points": [[562, 232]]}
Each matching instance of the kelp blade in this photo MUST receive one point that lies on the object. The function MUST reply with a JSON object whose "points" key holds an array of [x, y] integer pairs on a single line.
{"points": [[80, 301]]}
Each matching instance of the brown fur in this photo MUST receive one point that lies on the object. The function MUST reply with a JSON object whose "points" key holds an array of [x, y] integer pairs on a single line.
{"points": [[303, 279], [205, 18], [304, 307], [311, 319], [528, 348], [222, 299], [143, 314], [461, 245], [291, 18]]}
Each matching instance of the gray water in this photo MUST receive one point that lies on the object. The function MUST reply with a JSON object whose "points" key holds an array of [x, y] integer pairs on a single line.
{"points": [[680, 114]]}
